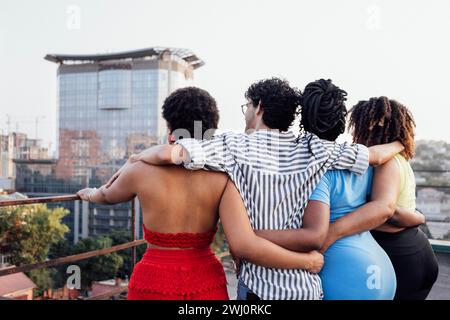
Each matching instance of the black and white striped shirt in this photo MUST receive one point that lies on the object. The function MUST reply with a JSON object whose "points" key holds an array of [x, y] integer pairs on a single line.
{"points": [[275, 173]]}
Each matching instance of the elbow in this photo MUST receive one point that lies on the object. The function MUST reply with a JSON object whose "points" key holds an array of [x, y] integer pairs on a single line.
{"points": [[309, 240], [108, 201], [237, 252], [318, 241], [377, 162], [375, 158], [164, 156], [422, 220], [241, 249], [388, 210], [315, 242], [317, 245]]}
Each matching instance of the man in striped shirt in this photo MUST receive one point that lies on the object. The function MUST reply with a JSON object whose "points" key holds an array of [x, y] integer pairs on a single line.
{"points": [[275, 173]]}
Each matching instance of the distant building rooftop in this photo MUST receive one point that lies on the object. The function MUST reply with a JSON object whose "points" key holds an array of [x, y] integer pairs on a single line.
{"points": [[15, 282], [13, 196], [184, 54]]}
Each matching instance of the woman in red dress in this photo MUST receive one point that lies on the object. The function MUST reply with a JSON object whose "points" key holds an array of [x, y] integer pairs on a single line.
{"points": [[180, 214]]}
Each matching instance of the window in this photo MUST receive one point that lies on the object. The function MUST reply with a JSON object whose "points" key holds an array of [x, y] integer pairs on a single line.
{"points": [[114, 89]]}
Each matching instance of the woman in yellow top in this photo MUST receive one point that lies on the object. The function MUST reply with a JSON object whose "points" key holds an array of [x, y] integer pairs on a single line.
{"points": [[378, 121]]}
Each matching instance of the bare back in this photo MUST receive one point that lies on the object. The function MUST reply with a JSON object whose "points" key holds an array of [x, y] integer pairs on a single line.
{"points": [[174, 199]]}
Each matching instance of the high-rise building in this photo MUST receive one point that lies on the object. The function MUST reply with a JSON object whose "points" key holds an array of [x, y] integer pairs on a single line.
{"points": [[20, 159], [107, 102], [109, 106]]}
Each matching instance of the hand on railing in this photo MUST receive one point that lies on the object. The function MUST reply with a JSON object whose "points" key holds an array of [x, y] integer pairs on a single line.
{"points": [[85, 194]]}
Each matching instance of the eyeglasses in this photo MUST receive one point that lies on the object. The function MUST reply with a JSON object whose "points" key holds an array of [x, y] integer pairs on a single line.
{"points": [[244, 107]]}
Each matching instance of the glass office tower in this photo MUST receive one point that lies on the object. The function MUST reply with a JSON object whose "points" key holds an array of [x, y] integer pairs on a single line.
{"points": [[109, 106]]}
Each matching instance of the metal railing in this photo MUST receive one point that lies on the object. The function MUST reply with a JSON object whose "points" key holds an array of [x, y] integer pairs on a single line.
{"points": [[85, 255], [77, 257], [438, 246]]}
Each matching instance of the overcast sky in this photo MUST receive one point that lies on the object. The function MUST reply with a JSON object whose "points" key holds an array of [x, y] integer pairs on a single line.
{"points": [[369, 48]]}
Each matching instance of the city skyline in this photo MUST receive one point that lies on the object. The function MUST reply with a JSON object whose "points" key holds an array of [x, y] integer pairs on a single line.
{"points": [[368, 48]]}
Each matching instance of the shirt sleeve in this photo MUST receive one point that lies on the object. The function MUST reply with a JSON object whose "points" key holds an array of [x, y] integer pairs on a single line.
{"points": [[214, 154], [322, 191], [353, 157]]}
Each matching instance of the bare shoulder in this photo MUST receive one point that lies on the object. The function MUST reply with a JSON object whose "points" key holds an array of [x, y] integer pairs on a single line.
{"points": [[140, 167], [389, 166], [390, 170]]}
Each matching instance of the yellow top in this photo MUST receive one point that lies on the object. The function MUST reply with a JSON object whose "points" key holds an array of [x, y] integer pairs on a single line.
{"points": [[407, 197]]}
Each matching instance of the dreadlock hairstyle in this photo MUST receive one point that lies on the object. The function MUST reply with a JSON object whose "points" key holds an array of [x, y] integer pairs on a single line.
{"points": [[323, 109], [381, 120]]}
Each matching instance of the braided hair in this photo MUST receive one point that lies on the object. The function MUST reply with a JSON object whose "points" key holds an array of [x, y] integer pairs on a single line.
{"points": [[323, 109], [381, 120]]}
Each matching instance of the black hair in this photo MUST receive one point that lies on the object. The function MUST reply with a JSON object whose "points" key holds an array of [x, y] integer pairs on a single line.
{"points": [[278, 100], [323, 109], [186, 105]]}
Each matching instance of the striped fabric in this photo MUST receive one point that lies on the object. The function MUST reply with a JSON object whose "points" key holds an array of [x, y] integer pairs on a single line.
{"points": [[275, 173]]}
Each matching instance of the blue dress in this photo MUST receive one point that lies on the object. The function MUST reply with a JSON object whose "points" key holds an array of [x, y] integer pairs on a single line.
{"points": [[356, 267]]}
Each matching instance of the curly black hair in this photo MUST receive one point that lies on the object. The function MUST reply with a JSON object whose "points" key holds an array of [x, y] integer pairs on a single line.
{"points": [[381, 120], [278, 100], [186, 105], [323, 109]]}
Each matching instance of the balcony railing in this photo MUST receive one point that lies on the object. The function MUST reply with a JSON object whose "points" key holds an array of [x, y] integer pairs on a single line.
{"points": [[73, 258], [440, 247], [81, 256]]}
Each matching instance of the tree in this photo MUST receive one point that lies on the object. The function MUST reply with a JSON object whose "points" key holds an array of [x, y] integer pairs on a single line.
{"points": [[58, 250], [97, 268], [120, 237], [27, 233], [43, 278], [100, 267]]}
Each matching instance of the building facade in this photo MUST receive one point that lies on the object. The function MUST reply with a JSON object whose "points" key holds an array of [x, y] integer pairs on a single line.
{"points": [[16, 147], [109, 106]]}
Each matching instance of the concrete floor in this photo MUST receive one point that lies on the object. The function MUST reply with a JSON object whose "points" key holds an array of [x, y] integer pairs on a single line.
{"points": [[441, 288]]}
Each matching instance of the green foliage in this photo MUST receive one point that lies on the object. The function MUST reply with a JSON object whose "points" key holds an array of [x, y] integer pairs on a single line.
{"points": [[220, 244], [123, 236], [43, 278], [97, 268], [27, 233], [117, 264]]}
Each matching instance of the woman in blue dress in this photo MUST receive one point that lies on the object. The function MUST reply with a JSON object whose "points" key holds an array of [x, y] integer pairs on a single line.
{"points": [[355, 267]]}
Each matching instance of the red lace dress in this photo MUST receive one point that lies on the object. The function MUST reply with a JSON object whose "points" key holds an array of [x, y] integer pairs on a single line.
{"points": [[178, 274]]}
